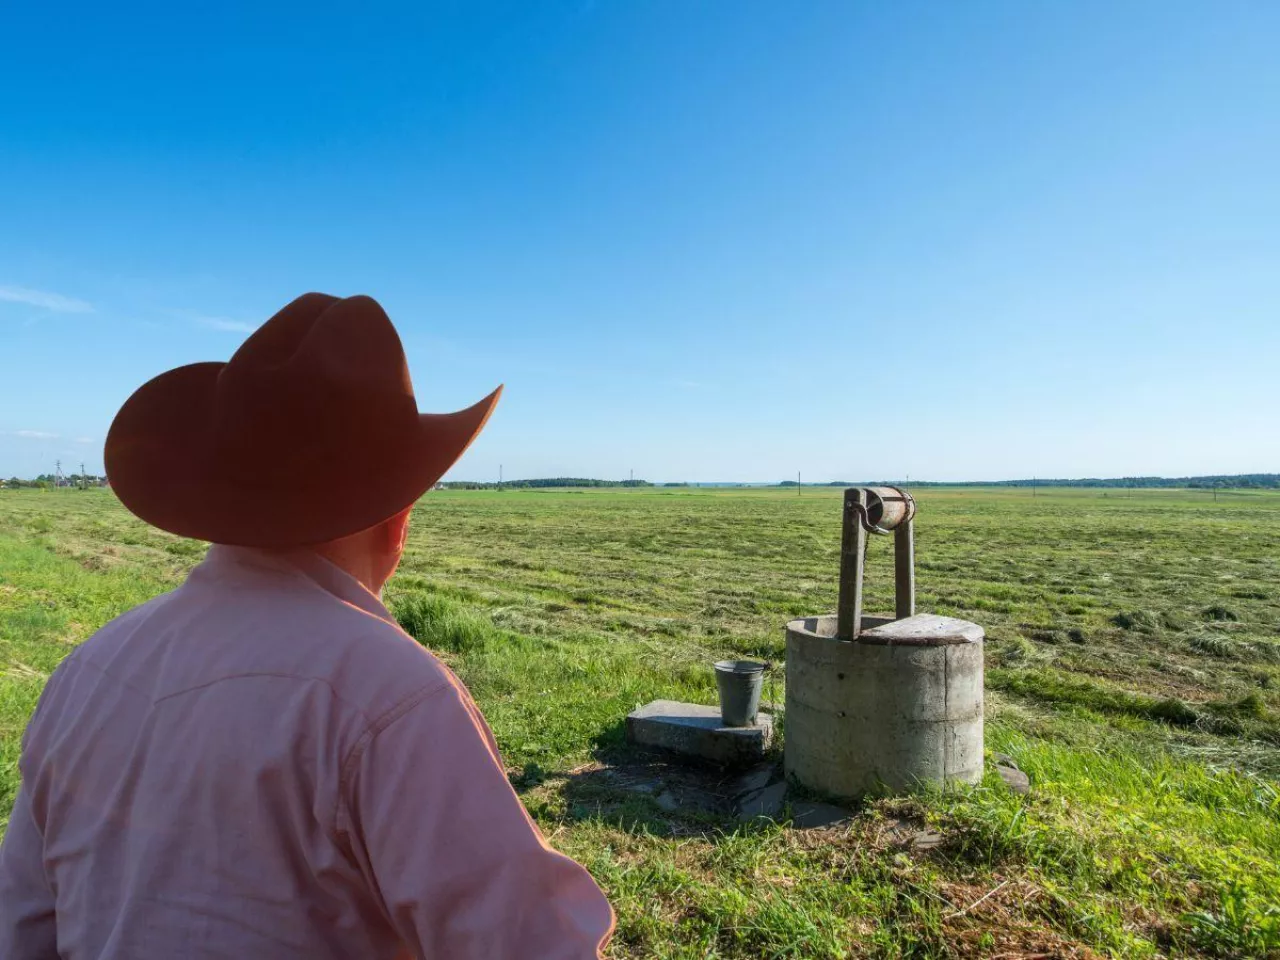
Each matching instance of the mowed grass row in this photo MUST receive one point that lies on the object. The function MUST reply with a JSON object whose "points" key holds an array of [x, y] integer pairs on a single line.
{"points": [[1132, 672]]}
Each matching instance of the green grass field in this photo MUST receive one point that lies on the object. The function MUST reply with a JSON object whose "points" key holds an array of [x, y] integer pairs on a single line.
{"points": [[1133, 670]]}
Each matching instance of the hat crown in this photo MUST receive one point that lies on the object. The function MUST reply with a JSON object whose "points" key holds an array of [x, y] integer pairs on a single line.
{"points": [[343, 343], [323, 376]]}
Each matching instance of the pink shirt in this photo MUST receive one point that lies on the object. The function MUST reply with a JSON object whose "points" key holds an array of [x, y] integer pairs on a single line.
{"points": [[261, 764]]}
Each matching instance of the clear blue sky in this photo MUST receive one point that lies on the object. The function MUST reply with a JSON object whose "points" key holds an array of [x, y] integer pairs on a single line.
{"points": [[722, 240]]}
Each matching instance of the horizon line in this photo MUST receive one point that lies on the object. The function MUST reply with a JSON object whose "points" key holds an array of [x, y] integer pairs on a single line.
{"points": [[1029, 481]]}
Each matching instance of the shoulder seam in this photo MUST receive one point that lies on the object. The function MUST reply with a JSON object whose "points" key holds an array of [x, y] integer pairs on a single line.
{"points": [[264, 673], [375, 727], [79, 659]]}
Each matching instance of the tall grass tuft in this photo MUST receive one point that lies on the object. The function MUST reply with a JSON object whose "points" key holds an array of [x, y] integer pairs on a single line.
{"points": [[441, 624]]}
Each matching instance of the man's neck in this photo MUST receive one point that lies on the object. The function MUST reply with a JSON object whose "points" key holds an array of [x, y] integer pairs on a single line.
{"points": [[358, 565]]}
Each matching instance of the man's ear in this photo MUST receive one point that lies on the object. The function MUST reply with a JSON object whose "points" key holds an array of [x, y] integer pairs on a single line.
{"points": [[398, 531]]}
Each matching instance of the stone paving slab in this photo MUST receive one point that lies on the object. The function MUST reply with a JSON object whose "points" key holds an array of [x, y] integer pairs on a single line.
{"points": [[696, 730]]}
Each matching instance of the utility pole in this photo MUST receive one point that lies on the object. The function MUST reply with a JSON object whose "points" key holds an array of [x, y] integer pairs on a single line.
{"points": [[797, 483], [83, 483]]}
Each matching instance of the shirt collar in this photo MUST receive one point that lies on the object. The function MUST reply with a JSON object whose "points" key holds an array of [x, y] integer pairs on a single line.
{"points": [[301, 562]]}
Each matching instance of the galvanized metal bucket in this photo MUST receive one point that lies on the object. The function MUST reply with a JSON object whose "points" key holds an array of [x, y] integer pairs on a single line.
{"points": [[740, 683]]}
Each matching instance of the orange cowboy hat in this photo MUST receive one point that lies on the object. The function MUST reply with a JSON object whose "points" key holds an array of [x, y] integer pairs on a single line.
{"points": [[309, 433]]}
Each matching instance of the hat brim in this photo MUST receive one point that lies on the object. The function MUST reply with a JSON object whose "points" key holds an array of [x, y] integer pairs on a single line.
{"points": [[160, 461]]}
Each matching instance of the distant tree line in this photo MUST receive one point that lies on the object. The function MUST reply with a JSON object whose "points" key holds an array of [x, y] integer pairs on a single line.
{"points": [[47, 481], [1237, 480], [542, 482], [1258, 481], [844, 483]]}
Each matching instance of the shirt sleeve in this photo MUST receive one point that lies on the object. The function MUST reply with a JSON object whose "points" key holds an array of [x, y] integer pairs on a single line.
{"points": [[27, 926], [461, 869]]}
